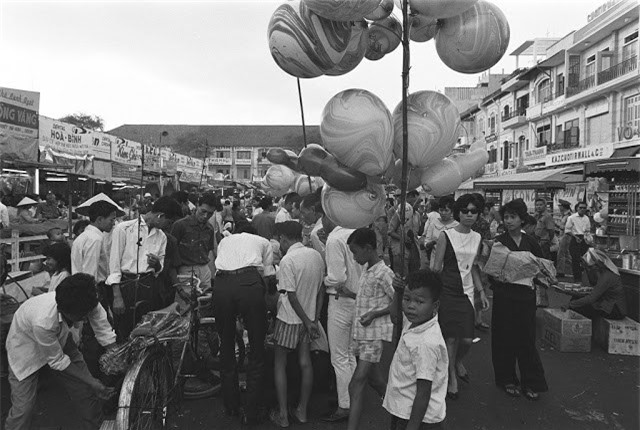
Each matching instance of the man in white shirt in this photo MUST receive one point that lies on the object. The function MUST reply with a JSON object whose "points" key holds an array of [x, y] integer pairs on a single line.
{"points": [[311, 212], [577, 226], [290, 210], [39, 341], [243, 259], [136, 258], [343, 274]]}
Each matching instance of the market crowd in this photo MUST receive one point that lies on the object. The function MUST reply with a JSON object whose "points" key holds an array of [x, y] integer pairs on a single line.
{"points": [[298, 282]]}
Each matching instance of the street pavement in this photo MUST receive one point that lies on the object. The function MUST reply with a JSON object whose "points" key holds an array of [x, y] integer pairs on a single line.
{"points": [[592, 390]]}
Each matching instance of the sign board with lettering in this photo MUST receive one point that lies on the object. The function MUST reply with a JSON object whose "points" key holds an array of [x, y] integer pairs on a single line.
{"points": [[627, 133], [601, 9], [152, 159], [19, 124], [573, 193], [534, 156], [126, 152], [101, 145], [529, 197], [579, 155], [64, 140]]}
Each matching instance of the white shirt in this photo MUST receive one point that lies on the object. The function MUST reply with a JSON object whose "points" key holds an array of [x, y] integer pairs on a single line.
{"points": [[577, 225], [301, 272], [38, 334], [342, 269], [57, 278], [4, 216], [257, 211], [88, 254], [283, 215], [316, 243], [244, 250], [124, 249], [421, 354]]}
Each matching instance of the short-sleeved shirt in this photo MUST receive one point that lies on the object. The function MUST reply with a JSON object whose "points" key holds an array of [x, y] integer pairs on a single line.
{"points": [[577, 225], [195, 241], [375, 292], [421, 354], [545, 226], [301, 272], [265, 224]]}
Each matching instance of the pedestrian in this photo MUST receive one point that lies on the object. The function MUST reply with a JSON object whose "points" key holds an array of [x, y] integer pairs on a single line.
{"points": [[311, 212], [455, 259], [545, 227], [563, 263], [49, 208], [411, 228], [436, 225], [418, 375], [342, 280], [237, 212], [38, 343], [244, 258], [58, 264], [372, 326], [513, 326], [300, 286], [137, 255], [578, 226], [196, 239], [265, 221], [483, 227], [290, 209]]}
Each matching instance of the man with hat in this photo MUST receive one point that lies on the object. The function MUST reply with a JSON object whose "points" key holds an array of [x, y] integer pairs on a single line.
{"points": [[24, 215], [563, 264], [545, 227]]}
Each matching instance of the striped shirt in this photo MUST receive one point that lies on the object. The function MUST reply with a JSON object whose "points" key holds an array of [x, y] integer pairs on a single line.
{"points": [[375, 292]]}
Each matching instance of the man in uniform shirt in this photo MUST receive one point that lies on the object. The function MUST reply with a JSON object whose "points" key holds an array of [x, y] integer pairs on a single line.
{"points": [[290, 210], [577, 226], [545, 227], [137, 257], [243, 259]]}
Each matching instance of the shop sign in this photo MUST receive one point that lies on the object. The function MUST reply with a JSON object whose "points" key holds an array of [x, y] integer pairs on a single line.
{"points": [[19, 123], [628, 133], [529, 197], [534, 156], [579, 155], [601, 9], [169, 162], [64, 140], [126, 152], [507, 172], [218, 161], [490, 168], [573, 193], [152, 158], [101, 145]]}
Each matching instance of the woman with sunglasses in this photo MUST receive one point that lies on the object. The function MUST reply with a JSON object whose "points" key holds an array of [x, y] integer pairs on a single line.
{"points": [[513, 322], [455, 256]]}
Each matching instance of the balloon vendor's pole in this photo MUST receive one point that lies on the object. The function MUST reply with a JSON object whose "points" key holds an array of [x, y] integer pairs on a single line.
{"points": [[405, 149], [304, 127]]}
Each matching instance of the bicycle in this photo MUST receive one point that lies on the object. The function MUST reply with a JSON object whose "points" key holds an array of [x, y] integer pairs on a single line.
{"points": [[151, 386]]}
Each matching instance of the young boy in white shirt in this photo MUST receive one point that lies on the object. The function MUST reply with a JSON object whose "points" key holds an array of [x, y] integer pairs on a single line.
{"points": [[418, 376], [372, 323]]}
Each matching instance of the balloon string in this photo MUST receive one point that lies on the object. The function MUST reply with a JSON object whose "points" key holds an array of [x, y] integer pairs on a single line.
{"points": [[304, 128]]}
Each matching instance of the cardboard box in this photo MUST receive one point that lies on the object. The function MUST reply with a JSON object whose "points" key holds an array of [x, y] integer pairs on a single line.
{"points": [[566, 331], [618, 336]]}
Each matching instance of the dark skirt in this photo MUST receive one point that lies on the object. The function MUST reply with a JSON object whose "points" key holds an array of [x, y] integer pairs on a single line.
{"points": [[456, 317]]}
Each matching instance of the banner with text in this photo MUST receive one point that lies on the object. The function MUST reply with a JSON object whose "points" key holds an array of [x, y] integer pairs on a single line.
{"points": [[64, 140], [573, 193], [169, 162], [529, 197], [579, 155], [126, 152], [101, 144], [19, 124]]}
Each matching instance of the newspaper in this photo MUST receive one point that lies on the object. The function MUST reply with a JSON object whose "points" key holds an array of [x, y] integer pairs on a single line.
{"points": [[510, 266]]}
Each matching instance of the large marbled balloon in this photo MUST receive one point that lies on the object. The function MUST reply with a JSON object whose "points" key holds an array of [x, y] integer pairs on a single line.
{"points": [[441, 8], [279, 178], [414, 176], [353, 209], [384, 36], [471, 162], [423, 28], [383, 10], [474, 41], [356, 127], [355, 51], [305, 185], [433, 122], [342, 10], [304, 44], [442, 178]]}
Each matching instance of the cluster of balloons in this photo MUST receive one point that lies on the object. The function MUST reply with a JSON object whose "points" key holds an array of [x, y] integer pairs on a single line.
{"points": [[362, 150], [311, 38]]}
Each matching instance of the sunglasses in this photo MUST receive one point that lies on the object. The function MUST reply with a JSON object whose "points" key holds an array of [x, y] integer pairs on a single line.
{"points": [[469, 211]]}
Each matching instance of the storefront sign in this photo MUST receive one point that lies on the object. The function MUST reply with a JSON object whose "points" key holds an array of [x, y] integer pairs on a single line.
{"points": [[507, 172], [60, 139], [169, 162], [101, 145], [573, 193], [19, 124], [126, 152], [152, 159], [628, 133], [601, 9], [534, 156], [579, 155], [529, 197]]}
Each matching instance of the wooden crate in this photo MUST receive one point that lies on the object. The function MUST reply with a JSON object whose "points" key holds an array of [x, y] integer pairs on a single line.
{"points": [[564, 342], [566, 323], [618, 336]]}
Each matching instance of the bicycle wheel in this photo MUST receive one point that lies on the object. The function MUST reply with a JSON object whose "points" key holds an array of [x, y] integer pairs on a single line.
{"points": [[146, 393], [206, 345]]}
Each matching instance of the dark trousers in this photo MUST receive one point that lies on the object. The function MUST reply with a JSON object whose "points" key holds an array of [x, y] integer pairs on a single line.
{"points": [[577, 250], [139, 297], [233, 295], [513, 340]]}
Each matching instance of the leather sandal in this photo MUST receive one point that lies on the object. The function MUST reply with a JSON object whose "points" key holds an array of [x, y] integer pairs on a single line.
{"points": [[512, 390]]}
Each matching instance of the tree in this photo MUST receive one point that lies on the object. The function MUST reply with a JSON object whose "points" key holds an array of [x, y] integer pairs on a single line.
{"points": [[191, 144], [89, 122]]}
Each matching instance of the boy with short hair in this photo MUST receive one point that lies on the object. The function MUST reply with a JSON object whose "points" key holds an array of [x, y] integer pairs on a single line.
{"points": [[418, 375], [372, 323], [300, 280]]}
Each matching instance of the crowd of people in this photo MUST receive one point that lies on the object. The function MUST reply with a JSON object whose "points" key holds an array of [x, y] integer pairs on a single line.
{"points": [[324, 286]]}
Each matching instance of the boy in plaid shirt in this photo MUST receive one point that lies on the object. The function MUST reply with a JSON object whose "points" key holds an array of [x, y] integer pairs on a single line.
{"points": [[372, 323]]}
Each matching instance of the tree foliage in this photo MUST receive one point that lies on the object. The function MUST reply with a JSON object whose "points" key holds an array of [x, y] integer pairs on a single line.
{"points": [[89, 122], [191, 144]]}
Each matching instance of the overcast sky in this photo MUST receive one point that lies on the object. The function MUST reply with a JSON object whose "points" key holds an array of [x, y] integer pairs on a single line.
{"points": [[208, 62]]}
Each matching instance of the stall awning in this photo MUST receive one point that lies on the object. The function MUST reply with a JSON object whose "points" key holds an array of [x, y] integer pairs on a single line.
{"points": [[628, 164], [630, 151], [539, 179]]}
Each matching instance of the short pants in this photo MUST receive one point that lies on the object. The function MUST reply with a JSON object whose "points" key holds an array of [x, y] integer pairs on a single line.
{"points": [[289, 335]]}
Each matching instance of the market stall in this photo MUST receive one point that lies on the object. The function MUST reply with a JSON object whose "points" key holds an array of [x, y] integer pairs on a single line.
{"points": [[619, 230]]}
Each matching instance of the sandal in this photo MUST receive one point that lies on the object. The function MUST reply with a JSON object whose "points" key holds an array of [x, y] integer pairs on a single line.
{"points": [[531, 395], [512, 390], [277, 420]]}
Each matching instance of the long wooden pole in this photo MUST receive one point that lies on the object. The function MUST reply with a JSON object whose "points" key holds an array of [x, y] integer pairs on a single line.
{"points": [[304, 127]]}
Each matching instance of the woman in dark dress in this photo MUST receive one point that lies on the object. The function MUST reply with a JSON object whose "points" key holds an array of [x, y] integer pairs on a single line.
{"points": [[513, 326]]}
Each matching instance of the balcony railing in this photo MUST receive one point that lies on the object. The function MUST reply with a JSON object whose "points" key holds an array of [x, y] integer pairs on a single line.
{"points": [[585, 84], [628, 65], [514, 113], [559, 147]]}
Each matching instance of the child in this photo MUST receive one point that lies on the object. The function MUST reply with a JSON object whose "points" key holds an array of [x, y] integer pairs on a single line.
{"points": [[372, 323], [300, 278], [418, 375]]}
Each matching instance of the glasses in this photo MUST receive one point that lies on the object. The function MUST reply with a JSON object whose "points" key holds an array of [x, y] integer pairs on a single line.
{"points": [[469, 211]]}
